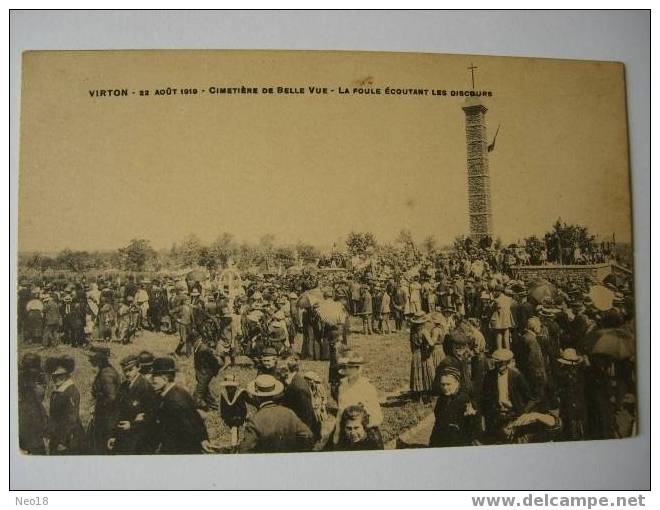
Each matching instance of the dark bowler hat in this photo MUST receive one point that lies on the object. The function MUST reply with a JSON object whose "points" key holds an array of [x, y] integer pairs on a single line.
{"points": [[129, 361], [163, 365], [146, 361]]}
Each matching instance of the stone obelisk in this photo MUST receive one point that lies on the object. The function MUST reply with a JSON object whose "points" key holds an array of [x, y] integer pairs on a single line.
{"points": [[481, 218]]}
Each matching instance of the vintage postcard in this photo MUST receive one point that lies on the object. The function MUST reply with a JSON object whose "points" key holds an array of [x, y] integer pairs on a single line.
{"points": [[288, 251]]}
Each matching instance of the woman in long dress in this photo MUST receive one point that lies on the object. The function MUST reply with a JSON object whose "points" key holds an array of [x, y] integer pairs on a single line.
{"points": [[422, 370]]}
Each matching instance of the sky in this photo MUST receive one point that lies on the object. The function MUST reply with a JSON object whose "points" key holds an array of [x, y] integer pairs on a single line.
{"points": [[96, 172]]}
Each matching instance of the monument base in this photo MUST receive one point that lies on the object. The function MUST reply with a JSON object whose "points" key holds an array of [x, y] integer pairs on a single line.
{"points": [[562, 274]]}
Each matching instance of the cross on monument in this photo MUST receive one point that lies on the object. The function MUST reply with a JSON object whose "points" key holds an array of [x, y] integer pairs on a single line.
{"points": [[472, 68]]}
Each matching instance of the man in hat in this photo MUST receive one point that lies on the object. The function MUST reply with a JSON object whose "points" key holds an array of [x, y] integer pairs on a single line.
{"points": [[571, 373], [268, 362], [366, 310], [207, 366], [105, 390], [157, 305], [506, 396], [400, 304], [273, 428], [298, 396], [32, 416], [142, 303], [145, 364], [64, 432], [137, 403], [530, 360], [355, 389], [52, 322], [180, 429], [34, 320], [501, 319], [278, 332], [184, 319]]}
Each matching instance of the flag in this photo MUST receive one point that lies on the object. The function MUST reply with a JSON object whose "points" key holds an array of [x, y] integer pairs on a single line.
{"points": [[491, 147]]}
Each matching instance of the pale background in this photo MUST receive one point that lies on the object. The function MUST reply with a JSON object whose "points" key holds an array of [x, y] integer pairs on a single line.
{"points": [[612, 36], [98, 172]]}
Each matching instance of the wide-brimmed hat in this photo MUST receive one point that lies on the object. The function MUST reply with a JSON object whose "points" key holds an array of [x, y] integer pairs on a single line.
{"points": [[419, 318], [310, 375], [163, 365], [502, 355], [129, 361], [293, 295], [194, 292], [437, 318], [60, 365], [569, 356], [265, 386], [230, 380], [544, 311]]}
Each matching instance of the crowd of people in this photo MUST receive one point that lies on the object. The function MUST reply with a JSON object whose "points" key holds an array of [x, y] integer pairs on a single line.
{"points": [[505, 360]]}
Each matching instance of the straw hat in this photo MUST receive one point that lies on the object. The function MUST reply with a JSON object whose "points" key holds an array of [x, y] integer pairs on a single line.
{"points": [[570, 356], [265, 386], [419, 318], [502, 355]]}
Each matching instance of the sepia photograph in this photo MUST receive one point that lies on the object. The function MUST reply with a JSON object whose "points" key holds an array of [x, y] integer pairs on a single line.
{"points": [[232, 252]]}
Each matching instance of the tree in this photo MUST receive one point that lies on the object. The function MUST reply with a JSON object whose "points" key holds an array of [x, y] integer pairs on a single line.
{"points": [[430, 244], [224, 248], [307, 251], [189, 251], [136, 254], [285, 255], [75, 261], [360, 243], [563, 239]]}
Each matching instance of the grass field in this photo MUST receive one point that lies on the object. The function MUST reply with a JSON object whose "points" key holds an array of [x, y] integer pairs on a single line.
{"points": [[387, 367]]}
